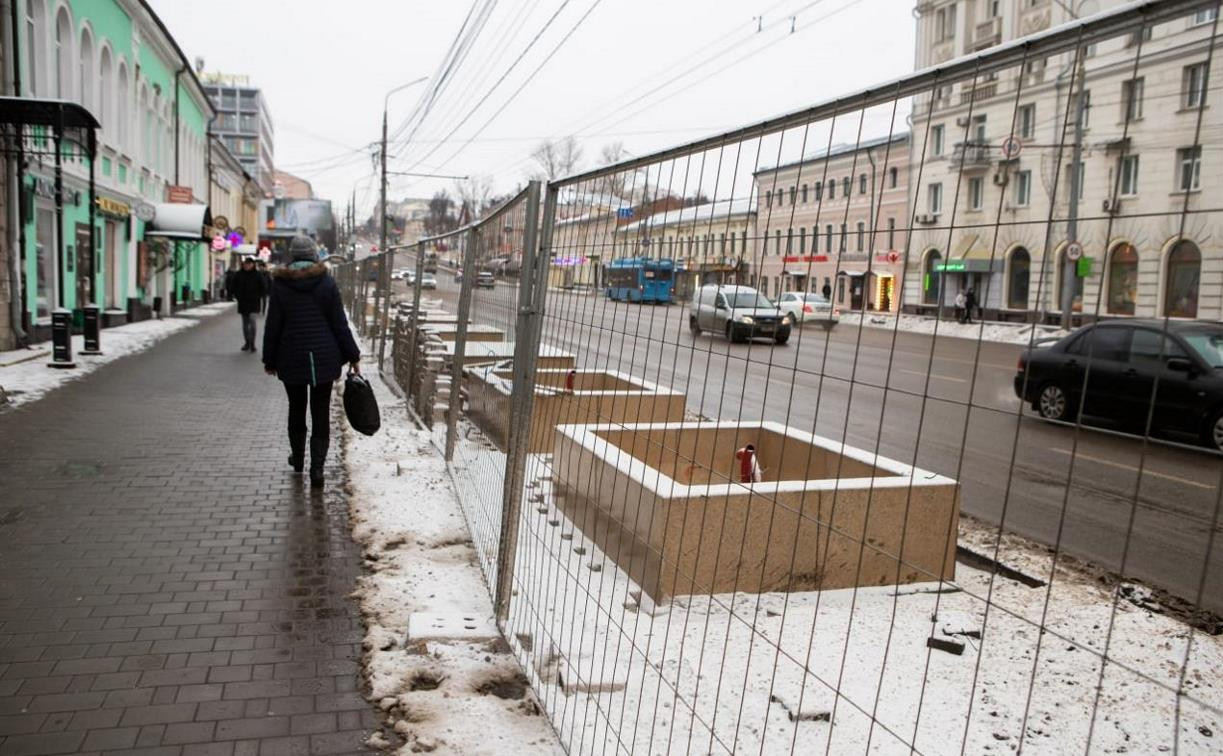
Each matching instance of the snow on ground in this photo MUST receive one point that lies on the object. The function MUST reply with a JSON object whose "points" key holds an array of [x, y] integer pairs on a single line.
{"points": [[725, 673], [446, 696], [31, 379], [1008, 333]]}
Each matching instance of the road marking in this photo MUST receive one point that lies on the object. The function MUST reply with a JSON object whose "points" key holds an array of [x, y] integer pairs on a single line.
{"points": [[1131, 468], [934, 375]]}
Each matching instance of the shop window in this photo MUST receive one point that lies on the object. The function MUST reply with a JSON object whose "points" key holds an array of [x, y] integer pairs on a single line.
{"points": [[1181, 281], [931, 277], [1019, 278], [44, 246], [1122, 279]]}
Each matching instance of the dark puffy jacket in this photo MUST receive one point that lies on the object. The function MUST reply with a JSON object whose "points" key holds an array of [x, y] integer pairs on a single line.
{"points": [[247, 288], [306, 339]]}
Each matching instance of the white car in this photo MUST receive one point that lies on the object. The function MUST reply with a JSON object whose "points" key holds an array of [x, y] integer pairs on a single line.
{"points": [[428, 281], [800, 306]]}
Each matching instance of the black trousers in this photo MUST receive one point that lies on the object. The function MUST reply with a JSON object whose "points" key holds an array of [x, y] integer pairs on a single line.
{"points": [[319, 399]]}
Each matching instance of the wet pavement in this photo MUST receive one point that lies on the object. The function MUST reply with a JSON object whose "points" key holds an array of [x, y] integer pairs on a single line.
{"points": [[167, 585]]}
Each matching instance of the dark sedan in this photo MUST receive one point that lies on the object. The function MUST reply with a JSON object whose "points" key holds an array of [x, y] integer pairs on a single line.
{"points": [[1115, 369]]}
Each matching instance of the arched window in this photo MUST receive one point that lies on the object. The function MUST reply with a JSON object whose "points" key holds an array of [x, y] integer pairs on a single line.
{"points": [[106, 103], [85, 71], [1018, 277], [123, 114], [35, 30], [63, 55], [931, 278], [1181, 281], [1076, 302], [1122, 279]]}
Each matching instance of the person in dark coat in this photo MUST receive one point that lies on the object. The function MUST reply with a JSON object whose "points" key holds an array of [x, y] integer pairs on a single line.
{"points": [[306, 342], [970, 305], [246, 287]]}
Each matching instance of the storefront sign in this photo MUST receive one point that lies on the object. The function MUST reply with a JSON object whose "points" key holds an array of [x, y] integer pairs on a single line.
{"points": [[220, 222], [806, 258], [888, 257], [181, 195], [113, 208], [145, 211], [963, 266], [46, 188], [1083, 267]]}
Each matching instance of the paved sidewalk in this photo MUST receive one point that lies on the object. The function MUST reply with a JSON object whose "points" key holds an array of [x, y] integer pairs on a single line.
{"points": [[166, 584]]}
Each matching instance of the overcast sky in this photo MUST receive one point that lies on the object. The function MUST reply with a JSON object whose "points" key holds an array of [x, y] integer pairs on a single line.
{"points": [[325, 72]]}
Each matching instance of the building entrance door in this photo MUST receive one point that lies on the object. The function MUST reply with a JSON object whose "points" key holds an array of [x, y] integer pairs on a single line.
{"points": [[111, 242], [84, 265]]}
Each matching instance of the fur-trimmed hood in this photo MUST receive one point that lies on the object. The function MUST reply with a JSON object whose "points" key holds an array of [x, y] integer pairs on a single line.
{"points": [[301, 277]]}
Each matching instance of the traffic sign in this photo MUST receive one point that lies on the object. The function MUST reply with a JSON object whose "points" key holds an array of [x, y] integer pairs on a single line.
{"points": [[1011, 147], [1074, 250]]}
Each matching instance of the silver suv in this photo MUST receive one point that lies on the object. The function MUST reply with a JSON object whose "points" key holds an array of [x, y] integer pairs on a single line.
{"points": [[737, 312]]}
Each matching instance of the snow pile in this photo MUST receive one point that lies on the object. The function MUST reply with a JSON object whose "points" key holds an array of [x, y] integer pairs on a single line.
{"points": [[849, 671], [450, 696], [25, 381], [1007, 333]]}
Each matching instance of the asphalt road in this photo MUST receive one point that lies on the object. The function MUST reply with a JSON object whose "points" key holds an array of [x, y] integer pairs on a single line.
{"points": [[947, 404]]}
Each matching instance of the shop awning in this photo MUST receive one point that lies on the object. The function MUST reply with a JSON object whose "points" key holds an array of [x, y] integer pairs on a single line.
{"points": [[180, 221]]}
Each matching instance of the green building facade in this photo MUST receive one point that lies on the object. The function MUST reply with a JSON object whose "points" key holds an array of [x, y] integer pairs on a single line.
{"points": [[115, 58]]}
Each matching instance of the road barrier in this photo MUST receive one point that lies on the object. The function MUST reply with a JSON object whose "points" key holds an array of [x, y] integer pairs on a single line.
{"points": [[713, 527]]}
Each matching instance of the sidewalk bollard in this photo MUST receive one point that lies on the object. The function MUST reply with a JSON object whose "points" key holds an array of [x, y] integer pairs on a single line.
{"points": [[61, 339], [93, 330]]}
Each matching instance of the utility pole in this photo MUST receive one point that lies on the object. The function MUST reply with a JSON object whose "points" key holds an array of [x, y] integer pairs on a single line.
{"points": [[382, 203], [1070, 267]]}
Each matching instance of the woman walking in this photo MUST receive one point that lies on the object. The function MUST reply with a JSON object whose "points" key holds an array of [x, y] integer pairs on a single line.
{"points": [[306, 341]]}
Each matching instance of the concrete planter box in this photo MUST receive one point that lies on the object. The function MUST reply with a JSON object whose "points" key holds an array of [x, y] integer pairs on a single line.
{"points": [[599, 396], [496, 352], [475, 332], [664, 497]]}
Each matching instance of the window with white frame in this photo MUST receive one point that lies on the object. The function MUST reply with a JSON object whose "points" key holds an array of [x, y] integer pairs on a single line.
{"points": [[1129, 175], [85, 71], [845, 187], [106, 94], [33, 46], [944, 22], [934, 198], [976, 193], [1131, 99], [1204, 16], [1073, 179], [862, 183], [1189, 168], [1023, 188], [1194, 86], [861, 236], [936, 140], [893, 177], [123, 116], [1027, 121], [63, 55]]}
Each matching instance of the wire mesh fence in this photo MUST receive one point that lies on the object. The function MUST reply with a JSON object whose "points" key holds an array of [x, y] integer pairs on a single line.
{"points": [[762, 448]]}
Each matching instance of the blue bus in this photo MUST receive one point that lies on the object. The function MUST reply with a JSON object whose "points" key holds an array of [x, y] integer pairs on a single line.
{"points": [[640, 279]]}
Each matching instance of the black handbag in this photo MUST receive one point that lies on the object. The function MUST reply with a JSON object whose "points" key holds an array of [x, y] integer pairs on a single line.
{"points": [[360, 405]]}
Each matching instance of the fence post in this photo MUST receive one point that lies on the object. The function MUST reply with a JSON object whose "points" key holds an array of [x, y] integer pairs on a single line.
{"points": [[536, 257], [389, 283], [460, 342], [420, 265]]}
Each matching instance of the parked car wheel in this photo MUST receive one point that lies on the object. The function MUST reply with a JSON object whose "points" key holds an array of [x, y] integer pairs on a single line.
{"points": [[692, 326], [782, 337], [731, 336], [1213, 435], [1052, 402]]}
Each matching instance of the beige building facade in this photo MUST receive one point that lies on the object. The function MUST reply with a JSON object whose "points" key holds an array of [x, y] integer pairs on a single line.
{"points": [[991, 208], [835, 222]]}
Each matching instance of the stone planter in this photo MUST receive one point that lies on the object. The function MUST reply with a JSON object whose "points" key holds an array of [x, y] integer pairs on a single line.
{"points": [[497, 352], [475, 332], [598, 396], [665, 501]]}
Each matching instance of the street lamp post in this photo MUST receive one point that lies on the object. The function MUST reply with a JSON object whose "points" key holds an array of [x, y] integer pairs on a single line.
{"points": [[382, 207]]}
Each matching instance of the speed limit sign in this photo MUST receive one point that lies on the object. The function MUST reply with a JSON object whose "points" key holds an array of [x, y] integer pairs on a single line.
{"points": [[1011, 147], [1074, 251]]}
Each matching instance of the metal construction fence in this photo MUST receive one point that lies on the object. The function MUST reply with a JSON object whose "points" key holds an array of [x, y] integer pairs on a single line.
{"points": [[789, 515]]}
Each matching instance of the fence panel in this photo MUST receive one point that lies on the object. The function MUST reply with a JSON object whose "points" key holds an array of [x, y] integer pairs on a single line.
{"points": [[747, 529]]}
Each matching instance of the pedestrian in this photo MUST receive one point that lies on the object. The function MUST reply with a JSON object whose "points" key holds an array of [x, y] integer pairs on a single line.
{"points": [[306, 342], [246, 288], [827, 290], [267, 285], [970, 304], [961, 300]]}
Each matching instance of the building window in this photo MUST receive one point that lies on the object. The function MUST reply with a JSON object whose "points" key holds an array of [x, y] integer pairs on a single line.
{"points": [[1085, 97], [819, 191], [44, 245], [804, 194], [934, 196], [893, 177], [1204, 16], [832, 188], [1131, 99], [1122, 279], [845, 187], [802, 240], [106, 94], [33, 45], [1018, 278], [793, 191], [861, 236], [1181, 282], [931, 278], [891, 233], [789, 241], [976, 193], [815, 238], [1194, 85], [944, 23], [936, 140], [1076, 179], [862, 183], [978, 131], [1027, 121], [1129, 175], [1023, 188], [1189, 164], [768, 196], [844, 233], [63, 56], [85, 71], [122, 116], [777, 242], [828, 238]]}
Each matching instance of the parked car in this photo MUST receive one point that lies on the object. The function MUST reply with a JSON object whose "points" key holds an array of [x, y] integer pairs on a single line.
{"points": [[737, 312], [1113, 370], [428, 281], [800, 306], [485, 280]]}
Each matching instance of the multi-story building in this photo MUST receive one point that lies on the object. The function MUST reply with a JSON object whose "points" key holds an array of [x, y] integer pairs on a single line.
{"points": [[288, 186], [117, 60], [993, 202], [835, 221], [234, 201], [245, 125]]}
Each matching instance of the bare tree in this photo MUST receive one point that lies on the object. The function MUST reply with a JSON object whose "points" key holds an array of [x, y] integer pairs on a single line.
{"points": [[473, 193], [556, 159], [617, 184], [441, 214]]}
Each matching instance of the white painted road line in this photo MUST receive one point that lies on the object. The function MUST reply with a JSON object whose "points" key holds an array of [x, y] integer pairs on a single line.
{"points": [[1131, 468], [934, 375]]}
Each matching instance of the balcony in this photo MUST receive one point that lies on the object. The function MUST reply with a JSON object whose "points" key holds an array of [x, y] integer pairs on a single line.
{"points": [[987, 34], [971, 156], [982, 91]]}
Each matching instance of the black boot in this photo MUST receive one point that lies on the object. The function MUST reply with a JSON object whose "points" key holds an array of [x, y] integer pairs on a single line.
{"points": [[318, 456], [297, 451]]}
